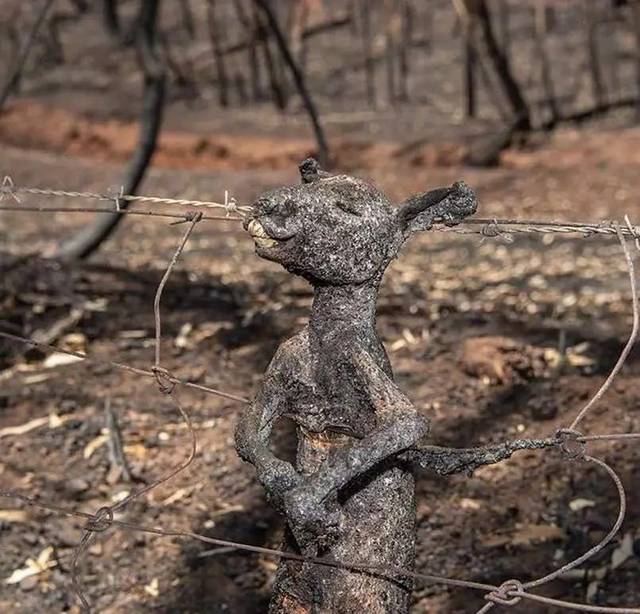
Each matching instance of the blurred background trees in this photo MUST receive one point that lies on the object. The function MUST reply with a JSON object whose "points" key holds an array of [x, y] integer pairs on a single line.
{"points": [[492, 72]]}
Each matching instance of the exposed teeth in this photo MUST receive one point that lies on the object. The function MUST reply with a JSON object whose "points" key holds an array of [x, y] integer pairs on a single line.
{"points": [[265, 242], [260, 235]]}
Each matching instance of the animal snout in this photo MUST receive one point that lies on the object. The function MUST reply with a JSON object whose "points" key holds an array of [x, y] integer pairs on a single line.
{"points": [[463, 199], [265, 206]]}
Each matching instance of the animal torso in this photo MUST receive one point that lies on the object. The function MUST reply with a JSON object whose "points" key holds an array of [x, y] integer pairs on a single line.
{"points": [[321, 390], [323, 395]]}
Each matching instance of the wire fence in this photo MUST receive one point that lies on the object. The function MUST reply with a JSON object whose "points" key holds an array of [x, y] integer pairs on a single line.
{"points": [[486, 227], [572, 442]]}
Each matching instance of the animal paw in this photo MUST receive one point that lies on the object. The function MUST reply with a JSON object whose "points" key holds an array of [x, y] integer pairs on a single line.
{"points": [[311, 520], [278, 479], [462, 202]]}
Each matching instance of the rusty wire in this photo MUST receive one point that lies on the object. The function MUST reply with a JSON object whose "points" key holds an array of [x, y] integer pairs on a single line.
{"points": [[103, 518], [123, 367], [572, 442], [180, 217], [8, 187], [632, 337]]}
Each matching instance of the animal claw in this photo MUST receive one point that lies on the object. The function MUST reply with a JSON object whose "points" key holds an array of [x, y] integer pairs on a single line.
{"points": [[311, 520]]}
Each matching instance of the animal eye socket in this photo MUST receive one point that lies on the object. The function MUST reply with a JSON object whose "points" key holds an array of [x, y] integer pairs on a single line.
{"points": [[347, 206], [289, 206]]}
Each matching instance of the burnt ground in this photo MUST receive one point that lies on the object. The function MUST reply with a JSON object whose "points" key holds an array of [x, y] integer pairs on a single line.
{"points": [[491, 338]]}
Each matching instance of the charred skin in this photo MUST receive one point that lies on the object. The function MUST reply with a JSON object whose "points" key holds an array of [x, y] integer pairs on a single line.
{"points": [[349, 496]]}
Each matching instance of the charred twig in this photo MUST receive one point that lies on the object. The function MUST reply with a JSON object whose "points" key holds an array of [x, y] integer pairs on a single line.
{"points": [[59, 326], [117, 456]]}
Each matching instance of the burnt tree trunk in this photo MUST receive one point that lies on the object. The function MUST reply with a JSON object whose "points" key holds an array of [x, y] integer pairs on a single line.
{"points": [[296, 26], [251, 27], [540, 43], [215, 32], [90, 239], [298, 79], [502, 68], [390, 51], [187, 17], [278, 92], [406, 39], [367, 45], [635, 8], [504, 15], [469, 77], [111, 18], [595, 68], [16, 72]]}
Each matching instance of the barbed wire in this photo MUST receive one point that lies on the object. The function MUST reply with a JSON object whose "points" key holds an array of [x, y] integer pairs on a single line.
{"points": [[501, 228], [572, 443], [8, 187]]}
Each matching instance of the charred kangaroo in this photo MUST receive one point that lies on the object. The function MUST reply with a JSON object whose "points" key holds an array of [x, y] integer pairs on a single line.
{"points": [[350, 495]]}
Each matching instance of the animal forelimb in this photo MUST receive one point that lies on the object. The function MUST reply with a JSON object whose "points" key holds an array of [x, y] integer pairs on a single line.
{"points": [[447, 461]]}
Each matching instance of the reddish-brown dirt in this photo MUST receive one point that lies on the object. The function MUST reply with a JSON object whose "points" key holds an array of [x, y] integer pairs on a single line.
{"points": [[491, 339], [63, 132]]}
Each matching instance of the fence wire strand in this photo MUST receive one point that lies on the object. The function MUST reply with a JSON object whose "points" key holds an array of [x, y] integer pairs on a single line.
{"points": [[9, 187], [570, 441], [485, 227]]}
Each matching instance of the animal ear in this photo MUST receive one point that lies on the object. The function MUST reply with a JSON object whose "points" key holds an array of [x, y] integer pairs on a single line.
{"points": [[447, 206], [310, 171]]}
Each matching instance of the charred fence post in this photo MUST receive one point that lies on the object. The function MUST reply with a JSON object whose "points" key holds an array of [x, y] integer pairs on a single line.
{"points": [[350, 495]]}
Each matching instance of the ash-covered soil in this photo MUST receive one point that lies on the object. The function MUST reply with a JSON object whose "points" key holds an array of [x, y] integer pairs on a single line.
{"points": [[492, 338]]}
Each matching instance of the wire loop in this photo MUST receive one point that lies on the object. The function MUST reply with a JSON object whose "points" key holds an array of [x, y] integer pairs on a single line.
{"points": [[501, 595], [165, 380], [571, 444], [101, 520]]}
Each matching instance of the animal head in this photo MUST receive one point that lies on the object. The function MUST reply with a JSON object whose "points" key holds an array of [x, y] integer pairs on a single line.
{"points": [[338, 230]]}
